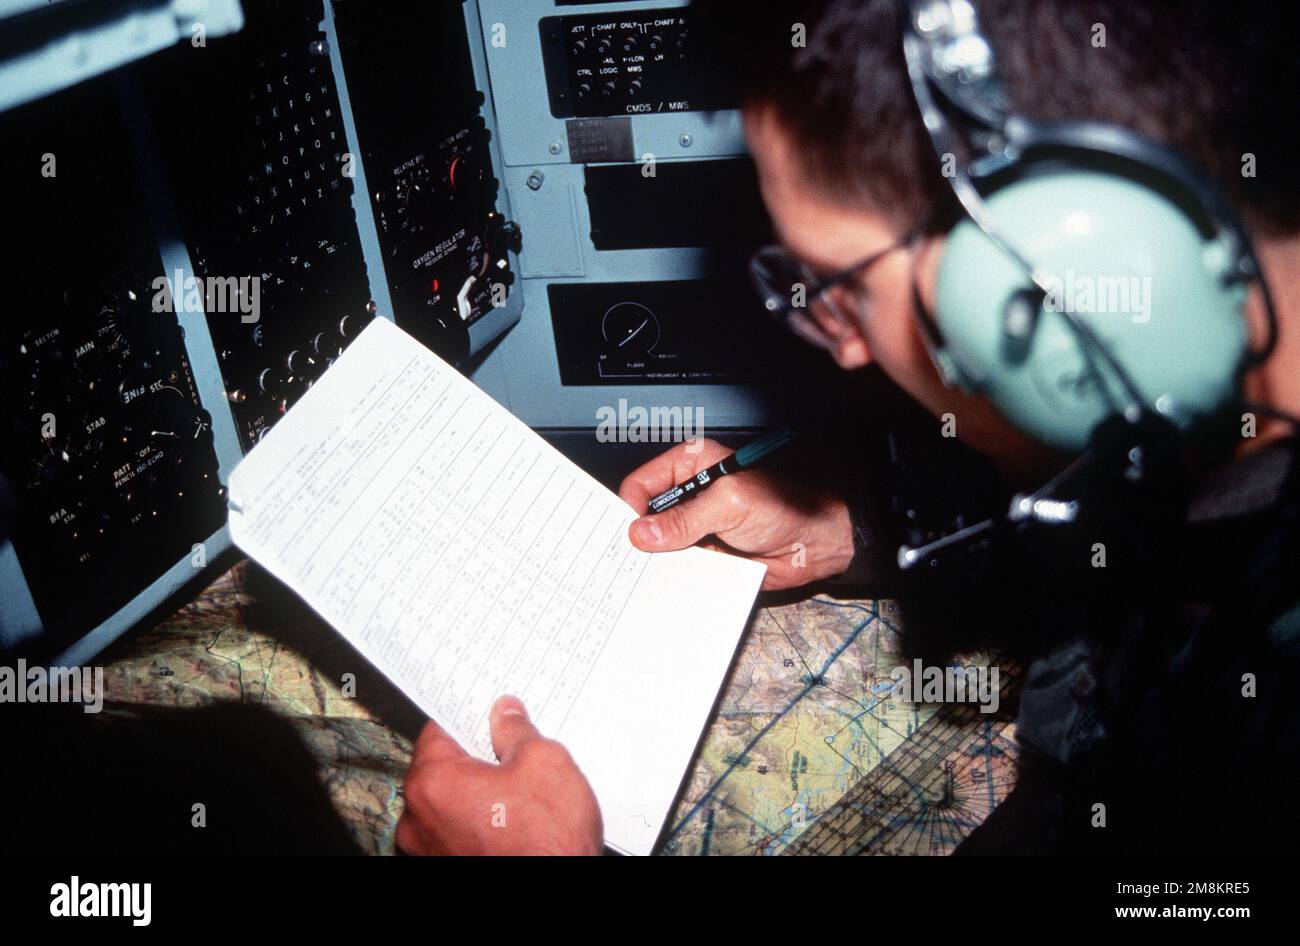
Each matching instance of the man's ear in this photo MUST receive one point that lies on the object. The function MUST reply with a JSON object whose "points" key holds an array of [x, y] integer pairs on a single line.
{"points": [[852, 351]]}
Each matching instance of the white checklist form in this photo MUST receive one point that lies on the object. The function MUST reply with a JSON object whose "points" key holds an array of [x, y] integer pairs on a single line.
{"points": [[466, 558]]}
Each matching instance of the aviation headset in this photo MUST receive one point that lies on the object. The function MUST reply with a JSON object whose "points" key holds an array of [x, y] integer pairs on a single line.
{"points": [[1096, 271], [1093, 290]]}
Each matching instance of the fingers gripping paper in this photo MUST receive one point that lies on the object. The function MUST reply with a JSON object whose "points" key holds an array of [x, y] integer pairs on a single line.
{"points": [[466, 558]]}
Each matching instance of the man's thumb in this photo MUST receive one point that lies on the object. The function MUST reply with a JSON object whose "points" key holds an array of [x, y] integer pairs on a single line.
{"points": [[511, 727], [678, 528]]}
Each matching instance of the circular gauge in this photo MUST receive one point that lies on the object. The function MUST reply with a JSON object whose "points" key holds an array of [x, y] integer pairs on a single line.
{"points": [[52, 467], [630, 327], [154, 414], [463, 170], [418, 201]]}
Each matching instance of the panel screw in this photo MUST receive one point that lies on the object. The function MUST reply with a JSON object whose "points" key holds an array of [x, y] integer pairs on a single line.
{"points": [[686, 140], [554, 147], [535, 179]]}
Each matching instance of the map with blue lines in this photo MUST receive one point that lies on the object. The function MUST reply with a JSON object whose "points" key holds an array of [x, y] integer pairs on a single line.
{"points": [[809, 754]]}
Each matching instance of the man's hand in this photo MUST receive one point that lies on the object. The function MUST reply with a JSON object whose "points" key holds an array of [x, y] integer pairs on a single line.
{"points": [[534, 802], [800, 536]]}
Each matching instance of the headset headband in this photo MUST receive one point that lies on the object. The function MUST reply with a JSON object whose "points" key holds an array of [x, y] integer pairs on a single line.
{"points": [[946, 52]]}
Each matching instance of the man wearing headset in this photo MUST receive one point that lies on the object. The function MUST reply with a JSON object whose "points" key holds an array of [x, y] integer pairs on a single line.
{"points": [[1150, 592]]}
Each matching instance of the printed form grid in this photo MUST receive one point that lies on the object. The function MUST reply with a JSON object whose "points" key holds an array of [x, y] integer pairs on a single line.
{"points": [[524, 607]]}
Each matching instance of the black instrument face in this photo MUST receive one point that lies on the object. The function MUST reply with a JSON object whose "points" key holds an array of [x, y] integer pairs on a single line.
{"points": [[267, 196], [236, 152], [627, 63], [417, 108], [672, 332], [105, 443]]}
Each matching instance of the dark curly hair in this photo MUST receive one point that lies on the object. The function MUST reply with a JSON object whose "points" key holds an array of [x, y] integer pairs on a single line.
{"points": [[1213, 79]]}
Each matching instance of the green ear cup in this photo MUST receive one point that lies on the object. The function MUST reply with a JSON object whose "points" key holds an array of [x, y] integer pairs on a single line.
{"points": [[1128, 262]]}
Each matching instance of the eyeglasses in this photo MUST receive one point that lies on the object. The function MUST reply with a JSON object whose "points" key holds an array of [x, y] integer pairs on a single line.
{"points": [[817, 309]]}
